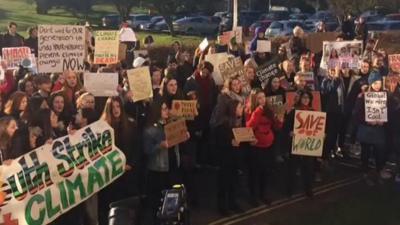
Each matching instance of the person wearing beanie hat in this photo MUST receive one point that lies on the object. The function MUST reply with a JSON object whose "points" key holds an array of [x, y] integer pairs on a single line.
{"points": [[367, 129], [374, 76]]}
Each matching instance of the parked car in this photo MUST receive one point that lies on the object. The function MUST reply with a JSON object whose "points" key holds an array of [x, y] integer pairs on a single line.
{"points": [[282, 28], [326, 16], [300, 17], [275, 15], [160, 26], [111, 21], [197, 25], [392, 17], [261, 23], [380, 26], [149, 25], [138, 19]]}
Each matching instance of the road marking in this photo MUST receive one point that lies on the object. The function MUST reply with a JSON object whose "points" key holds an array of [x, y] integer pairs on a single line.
{"points": [[292, 202], [279, 202]]}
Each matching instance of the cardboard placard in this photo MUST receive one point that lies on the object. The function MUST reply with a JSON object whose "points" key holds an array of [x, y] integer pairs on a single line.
{"points": [[61, 47], [308, 133], [216, 60], [376, 107], [107, 47], [141, 53], [101, 84], [140, 83], [184, 108], [314, 40], [267, 71], [176, 132], [232, 68], [15, 56], [292, 96], [47, 182], [122, 51], [263, 46], [203, 45], [238, 34], [244, 134], [394, 63]]}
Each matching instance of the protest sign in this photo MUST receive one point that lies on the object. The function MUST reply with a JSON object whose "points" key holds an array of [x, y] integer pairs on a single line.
{"points": [[376, 107], [309, 78], [308, 133], [224, 39], [126, 34], [238, 34], [184, 108], [314, 40], [203, 45], [232, 68], [244, 134], [15, 56], [101, 84], [216, 60], [291, 98], [267, 71], [347, 54], [263, 46], [140, 83], [107, 47], [388, 40], [61, 47], [176, 132], [276, 104], [394, 63], [122, 51], [49, 181]]}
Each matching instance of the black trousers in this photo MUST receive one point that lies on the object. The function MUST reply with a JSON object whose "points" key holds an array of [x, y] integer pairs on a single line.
{"points": [[261, 163], [306, 166], [378, 151], [227, 179], [333, 125]]}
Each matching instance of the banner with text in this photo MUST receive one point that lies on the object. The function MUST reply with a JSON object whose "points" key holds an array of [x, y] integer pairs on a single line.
{"points": [[47, 182], [15, 56], [308, 133], [61, 47]]}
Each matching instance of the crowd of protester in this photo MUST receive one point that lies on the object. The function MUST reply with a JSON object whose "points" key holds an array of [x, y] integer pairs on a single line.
{"points": [[38, 108]]}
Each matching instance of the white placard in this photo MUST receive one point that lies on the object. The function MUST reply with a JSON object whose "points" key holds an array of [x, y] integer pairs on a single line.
{"points": [[101, 84]]}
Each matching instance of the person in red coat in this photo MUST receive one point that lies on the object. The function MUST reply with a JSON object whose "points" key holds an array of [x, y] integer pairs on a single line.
{"points": [[261, 159]]}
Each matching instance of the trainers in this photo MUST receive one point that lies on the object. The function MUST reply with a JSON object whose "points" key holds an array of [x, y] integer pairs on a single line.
{"points": [[385, 175]]}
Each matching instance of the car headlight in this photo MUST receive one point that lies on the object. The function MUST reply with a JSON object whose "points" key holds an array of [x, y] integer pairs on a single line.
{"points": [[141, 26]]}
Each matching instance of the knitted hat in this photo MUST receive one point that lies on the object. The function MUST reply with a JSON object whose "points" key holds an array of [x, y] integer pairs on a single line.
{"points": [[374, 75]]}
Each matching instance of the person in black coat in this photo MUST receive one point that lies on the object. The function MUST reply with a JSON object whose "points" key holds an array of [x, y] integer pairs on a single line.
{"points": [[305, 163], [32, 41], [12, 38], [228, 157], [348, 28], [394, 118]]}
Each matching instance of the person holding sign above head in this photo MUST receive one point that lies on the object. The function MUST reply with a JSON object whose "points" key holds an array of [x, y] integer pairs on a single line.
{"points": [[371, 130], [263, 122], [163, 163], [305, 163], [228, 152]]}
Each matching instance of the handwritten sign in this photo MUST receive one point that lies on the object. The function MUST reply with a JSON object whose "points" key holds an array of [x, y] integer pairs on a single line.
{"points": [[61, 47], [394, 63], [15, 56], [126, 34], [291, 98], [49, 181], [184, 108], [376, 107], [216, 60], [232, 68], [140, 83], [176, 132], [238, 31], [101, 84], [263, 46], [267, 71], [309, 133], [244, 134], [107, 47], [309, 78]]}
